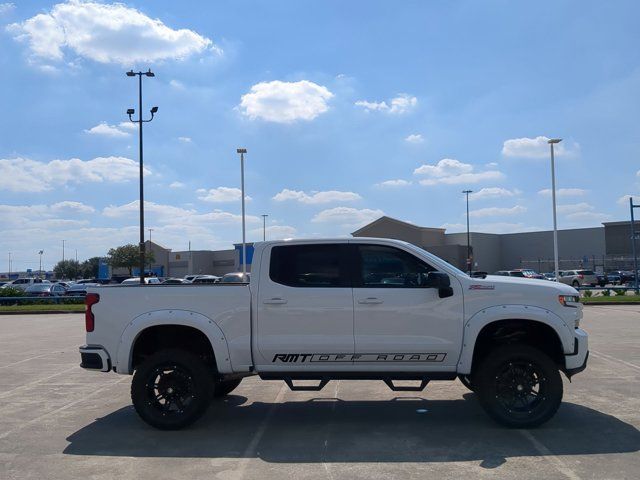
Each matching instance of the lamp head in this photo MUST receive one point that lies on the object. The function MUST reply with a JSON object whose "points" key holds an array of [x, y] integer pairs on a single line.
{"points": [[554, 140], [154, 110], [241, 150], [149, 73], [130, 111], [131, 73]]}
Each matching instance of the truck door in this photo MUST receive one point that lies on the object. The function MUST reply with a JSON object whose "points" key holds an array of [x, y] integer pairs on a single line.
{"points": [[399, 324], [305, 308]]}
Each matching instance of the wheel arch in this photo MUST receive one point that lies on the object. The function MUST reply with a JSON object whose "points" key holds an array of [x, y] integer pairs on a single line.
{"points": [[167, 318], [543, 323]]}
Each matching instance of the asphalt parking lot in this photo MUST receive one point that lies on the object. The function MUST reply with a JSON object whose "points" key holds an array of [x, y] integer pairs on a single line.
{"points": [[60, 422]]}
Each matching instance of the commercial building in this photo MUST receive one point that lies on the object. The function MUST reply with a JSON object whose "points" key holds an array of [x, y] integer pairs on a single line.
{"points": [[601, 248]]}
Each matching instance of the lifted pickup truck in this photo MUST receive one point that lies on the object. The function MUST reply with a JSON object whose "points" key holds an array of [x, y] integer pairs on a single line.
{"points": [[356, 309]]}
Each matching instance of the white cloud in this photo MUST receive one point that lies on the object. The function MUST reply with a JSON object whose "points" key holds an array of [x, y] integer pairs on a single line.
{"points": [[25, 175], [108, 131], [275, 232], [491, 164], [624, 200], [221, 195], [185, 139], [106, 33], [493, 192], [398, 105], [347, 216], [72, 207], [177, 84], [535, 148], [574, 208], [315, 198], [414, 138], [393, 183], [564, 192], [128, 126], [6, 7], [588, 217], [449, 171], [497, 211], [176, 185], [285, 102]]}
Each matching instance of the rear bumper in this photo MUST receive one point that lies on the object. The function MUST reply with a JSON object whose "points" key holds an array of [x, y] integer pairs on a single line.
{"points": [[577, 360], [94, 357]]}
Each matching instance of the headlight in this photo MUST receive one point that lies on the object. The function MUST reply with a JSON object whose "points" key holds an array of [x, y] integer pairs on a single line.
{"points": [[568, 300]]}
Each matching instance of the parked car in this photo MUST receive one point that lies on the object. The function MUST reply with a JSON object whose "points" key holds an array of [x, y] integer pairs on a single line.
{"points": [[579, 278], [623, 276], [136, 281], [528, 273], [613, 278], [551, 276], [45, 290], [206, 279], [173, 281], [236, 277], [86, 280], [23, 283], [510, 273], [189, 278], [79, 289]]}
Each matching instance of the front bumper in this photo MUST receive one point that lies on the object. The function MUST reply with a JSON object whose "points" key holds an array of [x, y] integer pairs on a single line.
{"points": [[576, 361], [94, 357]]}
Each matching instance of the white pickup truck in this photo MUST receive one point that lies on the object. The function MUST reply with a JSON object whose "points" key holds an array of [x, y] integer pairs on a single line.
{"points": [[356, 309]]}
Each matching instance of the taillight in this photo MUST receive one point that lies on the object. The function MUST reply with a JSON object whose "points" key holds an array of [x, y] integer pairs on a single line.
{"points": [[581, 276], [89, 320]]}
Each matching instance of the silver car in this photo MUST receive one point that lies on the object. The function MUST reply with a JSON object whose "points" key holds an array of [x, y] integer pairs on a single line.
{"points": [[579, 278]]}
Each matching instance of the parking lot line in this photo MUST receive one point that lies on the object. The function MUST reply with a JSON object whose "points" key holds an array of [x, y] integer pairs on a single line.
{"points": [[548, 454], [29, 359], [612, 359], [36, 382]]}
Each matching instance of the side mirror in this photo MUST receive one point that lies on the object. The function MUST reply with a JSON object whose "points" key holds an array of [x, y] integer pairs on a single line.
{"points": [[441, 281]]}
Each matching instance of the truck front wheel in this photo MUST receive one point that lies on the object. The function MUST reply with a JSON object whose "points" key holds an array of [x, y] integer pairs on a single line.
{"points": [[519, 386], [171, 389], [225, 387]]}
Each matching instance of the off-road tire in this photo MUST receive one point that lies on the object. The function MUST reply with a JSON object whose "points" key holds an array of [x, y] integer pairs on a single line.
{"points": [[225, 387], [466, 381], [507, 379], [171, 389]]}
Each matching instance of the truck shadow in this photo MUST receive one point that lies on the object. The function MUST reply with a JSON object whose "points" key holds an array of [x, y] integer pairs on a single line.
{"points": [[328, 430]]}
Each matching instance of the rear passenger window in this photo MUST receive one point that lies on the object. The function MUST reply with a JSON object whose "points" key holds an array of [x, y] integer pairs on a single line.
{"points": [[387, 267], [310, 265]]}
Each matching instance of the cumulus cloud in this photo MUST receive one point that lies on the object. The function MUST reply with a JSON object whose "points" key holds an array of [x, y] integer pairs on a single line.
{"points": [[6, 7], [176, 185], [449, 171], [624, 200], [285, 102], [493, 192], [104, 129], [347, 216], [414, 138], [72, 207], [314, 198], [275, 232], [25, 175], [105, 33], [535, 148], [564, 192], [398, 105], [497, 211], [394, 183], [221, 195], [185, 139]]}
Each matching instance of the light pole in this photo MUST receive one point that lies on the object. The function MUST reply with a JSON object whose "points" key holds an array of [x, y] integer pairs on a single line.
{"points": [[63, 252], [40, 271], [467, 192], [150, 230], [633, 244], [264, 226], [140, 121], [552, 142], [9, 264], [242, 151]]}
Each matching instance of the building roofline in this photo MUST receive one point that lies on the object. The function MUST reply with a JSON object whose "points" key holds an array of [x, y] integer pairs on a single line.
{"points": [[406, 224]]}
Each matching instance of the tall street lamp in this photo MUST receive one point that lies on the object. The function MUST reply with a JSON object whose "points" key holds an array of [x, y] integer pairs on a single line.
{"points": [[63, 251], [242, 151], [467, 192], [9, 264], [552, 142], [140, 121], [40, 271], [150, 230], [264, 226]]}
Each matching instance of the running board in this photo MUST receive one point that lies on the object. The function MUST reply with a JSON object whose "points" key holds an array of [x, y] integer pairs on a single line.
{"points": [[305, 388], [406, 388]]}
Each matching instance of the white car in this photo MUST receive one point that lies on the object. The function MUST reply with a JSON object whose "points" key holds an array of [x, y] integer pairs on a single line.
{"points": [[23, 283], [579, 278], [348, 309], [136, 281]]}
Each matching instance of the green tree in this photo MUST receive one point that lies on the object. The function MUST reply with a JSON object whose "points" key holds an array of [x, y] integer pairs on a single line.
{"points": [[67, 269], [89, 268], [128, 256]]}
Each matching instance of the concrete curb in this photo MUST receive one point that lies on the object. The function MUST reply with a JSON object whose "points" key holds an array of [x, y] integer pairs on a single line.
{"points": [[41, 312]]}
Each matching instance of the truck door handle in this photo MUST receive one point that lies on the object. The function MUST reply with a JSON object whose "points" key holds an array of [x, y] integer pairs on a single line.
{"points": [[274, 301], [370, 300]]}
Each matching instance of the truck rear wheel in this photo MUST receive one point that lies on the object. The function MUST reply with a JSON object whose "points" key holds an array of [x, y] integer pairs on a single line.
{"points": [[519, 386], [225, 387], [171, 389]]}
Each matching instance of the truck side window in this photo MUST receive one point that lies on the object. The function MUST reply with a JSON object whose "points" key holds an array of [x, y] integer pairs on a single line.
{"points": [[387, 267], [317, 265]]}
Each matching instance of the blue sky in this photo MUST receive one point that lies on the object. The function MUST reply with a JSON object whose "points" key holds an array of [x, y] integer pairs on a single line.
{"points": [[349, 110]]}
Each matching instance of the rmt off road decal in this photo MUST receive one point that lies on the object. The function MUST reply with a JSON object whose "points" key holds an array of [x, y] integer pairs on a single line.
{"points": [[357, 357]]}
